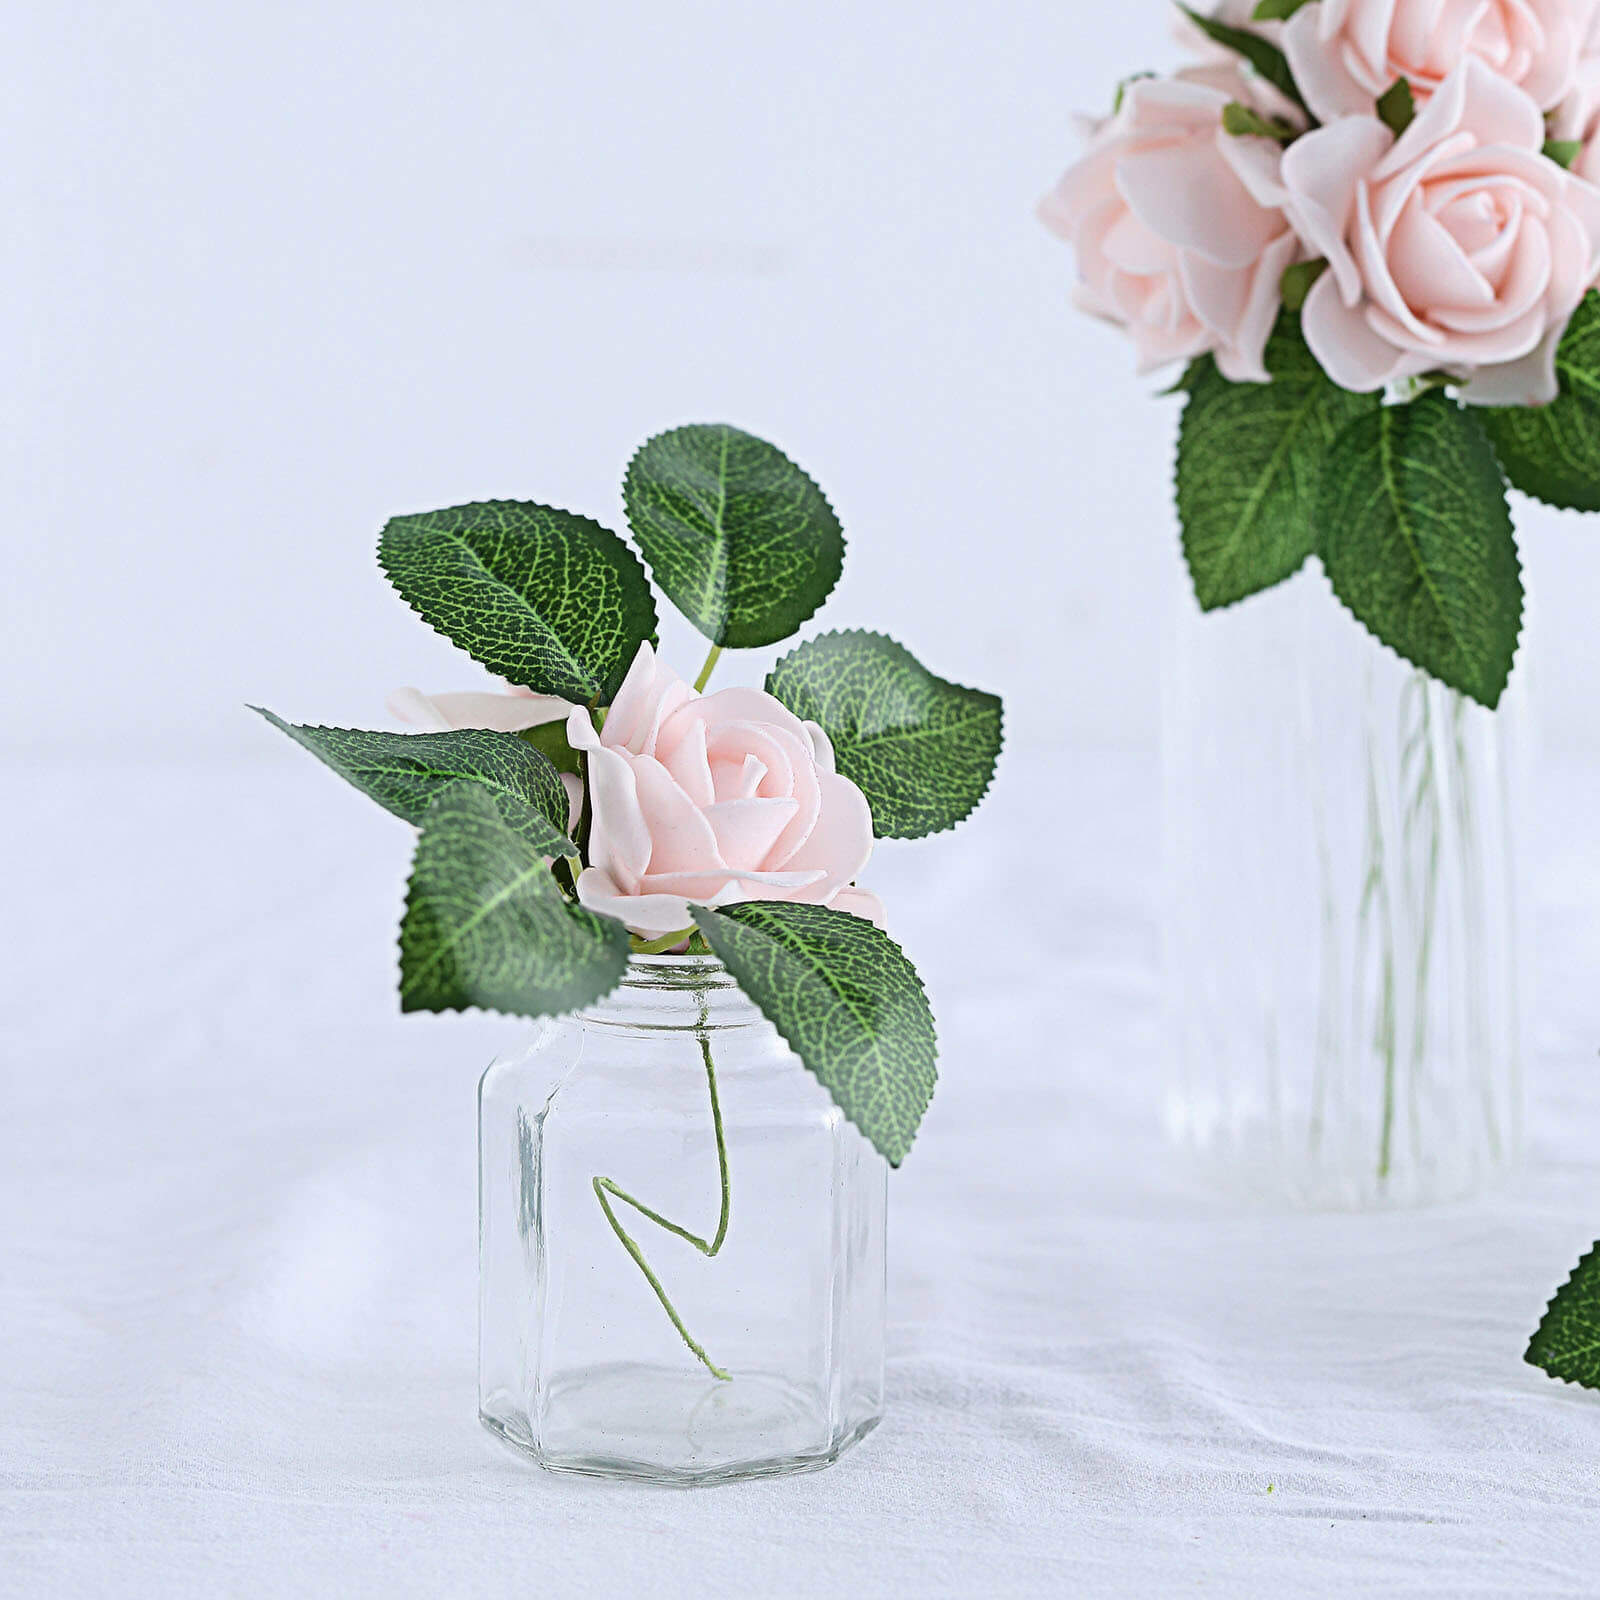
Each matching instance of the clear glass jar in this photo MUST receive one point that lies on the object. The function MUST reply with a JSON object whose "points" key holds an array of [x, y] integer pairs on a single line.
{"points": [[681, 1242], [1343, 949]]}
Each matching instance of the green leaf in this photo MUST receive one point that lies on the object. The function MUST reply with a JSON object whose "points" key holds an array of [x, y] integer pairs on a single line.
{"points": [[1261, 53], [1397, 107], [546, 598], [921, 750], [845, 1000], [406, 772], [1249, 459], [1190, 376], [1417, 541], [738, 537], [1563, 151], [1567, 1342], [1276, 10], [1296, 282], [1239, 120], [1552, 452], [486, 925], [550, 740]]}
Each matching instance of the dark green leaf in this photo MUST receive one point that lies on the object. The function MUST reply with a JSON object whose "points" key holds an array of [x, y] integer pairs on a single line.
{"points": [[550, 740], [738, 537], [406, 772], [1397, 108], [1295, 284], [1552, 452], [1417, 541], [486, 924], [1563, 151], [1567, 1343], [1249, 459], [846, 1001], [920, 749], [546, 598], [1261, 53], [1276, 10], [1190, 376]]}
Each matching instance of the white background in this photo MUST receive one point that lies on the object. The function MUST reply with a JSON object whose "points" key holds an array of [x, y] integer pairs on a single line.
{"points": [[270, 273], [273, 272]]}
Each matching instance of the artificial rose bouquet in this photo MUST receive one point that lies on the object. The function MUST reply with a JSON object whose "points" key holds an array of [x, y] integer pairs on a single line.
{"points": [[1353, 219], [603, 808]]}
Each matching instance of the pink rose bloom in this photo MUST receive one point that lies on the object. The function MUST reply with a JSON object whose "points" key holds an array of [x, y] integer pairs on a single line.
{"points": [[1457, 247], [709, 799], [1346, 53], [1171, 243]]}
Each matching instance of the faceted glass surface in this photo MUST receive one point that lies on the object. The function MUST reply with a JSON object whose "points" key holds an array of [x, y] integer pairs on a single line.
{"points": [[581, 1364]]}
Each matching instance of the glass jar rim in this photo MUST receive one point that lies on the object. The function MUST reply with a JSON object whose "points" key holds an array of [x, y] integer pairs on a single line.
{"points": [[674, 992], [677, 972]]}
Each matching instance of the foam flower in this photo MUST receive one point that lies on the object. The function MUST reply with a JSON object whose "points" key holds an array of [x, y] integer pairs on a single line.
{"points": [[710, 799], [1458, 247], [1346, 53], [1171, 242]]}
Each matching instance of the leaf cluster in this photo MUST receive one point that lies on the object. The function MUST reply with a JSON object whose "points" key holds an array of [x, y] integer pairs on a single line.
{"points": [[746, 545], [1404, 504]]}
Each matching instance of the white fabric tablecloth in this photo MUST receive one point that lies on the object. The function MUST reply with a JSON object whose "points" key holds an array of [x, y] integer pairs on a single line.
{"points": [[237, 1268]]}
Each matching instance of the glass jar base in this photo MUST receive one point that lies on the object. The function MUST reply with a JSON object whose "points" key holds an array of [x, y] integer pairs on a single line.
{"points": [[675, 1427]]}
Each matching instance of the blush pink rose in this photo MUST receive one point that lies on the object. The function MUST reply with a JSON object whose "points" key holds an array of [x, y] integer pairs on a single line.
{"points": [[709, 799], [1171, 243], [1346, 53], [1456, 248]]}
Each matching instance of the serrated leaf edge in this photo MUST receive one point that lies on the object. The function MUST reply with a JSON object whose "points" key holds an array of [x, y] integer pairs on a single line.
{"points": [[288, 729], [1592, 1254], [1563, 391], [1218, 608], [1522, 614], [794, 1049], [1221, 607], [833, 511], [633, 555], [965, 688], [487, 1011]]}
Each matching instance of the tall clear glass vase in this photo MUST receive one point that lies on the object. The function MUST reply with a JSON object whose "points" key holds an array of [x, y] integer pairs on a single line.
{"points": [[681, 1242], [1342, 937]]}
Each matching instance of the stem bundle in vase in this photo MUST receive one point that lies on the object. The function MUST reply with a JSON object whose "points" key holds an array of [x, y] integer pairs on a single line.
{"points": [[1365, 235]]}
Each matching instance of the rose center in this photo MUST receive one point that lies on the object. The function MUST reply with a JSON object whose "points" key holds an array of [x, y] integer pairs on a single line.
{"points": [[1475, 221]]}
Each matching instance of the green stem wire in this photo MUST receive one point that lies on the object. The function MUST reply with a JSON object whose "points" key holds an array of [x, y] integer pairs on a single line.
{"points": [[708, 668], [604, 1187]]}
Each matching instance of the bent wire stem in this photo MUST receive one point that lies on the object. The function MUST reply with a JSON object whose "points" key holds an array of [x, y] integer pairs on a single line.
{"points": [[604, 1188]]}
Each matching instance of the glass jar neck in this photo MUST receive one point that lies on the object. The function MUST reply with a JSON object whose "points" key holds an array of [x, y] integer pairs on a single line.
{"points": [[689, 993]]}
